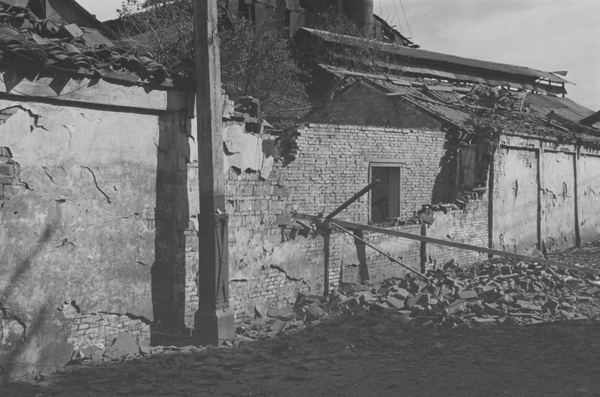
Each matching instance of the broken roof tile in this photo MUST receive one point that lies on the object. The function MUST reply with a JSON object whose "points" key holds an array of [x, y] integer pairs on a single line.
{"points": [[27, 40]]}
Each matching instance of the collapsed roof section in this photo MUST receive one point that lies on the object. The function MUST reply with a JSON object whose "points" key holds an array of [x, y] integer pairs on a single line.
{"points": [[461, 107], [28, 42], [414, 62]]}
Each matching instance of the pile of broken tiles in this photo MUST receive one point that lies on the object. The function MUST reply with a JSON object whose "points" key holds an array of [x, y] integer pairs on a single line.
{"points": [[489, 293]]}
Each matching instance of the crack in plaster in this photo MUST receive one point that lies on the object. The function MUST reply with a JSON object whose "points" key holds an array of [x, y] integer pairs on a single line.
{"points": [[87, 118], [69, 130], [48, 174], [97, 186], [64, 242], [287, 276], [11, 110]]}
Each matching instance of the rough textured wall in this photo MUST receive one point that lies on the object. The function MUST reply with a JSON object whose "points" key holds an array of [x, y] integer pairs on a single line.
{"points": [[515, 215], [558, 201], [565, 189], [270, 259], [468, 226], [588, 179], [80, 217]]}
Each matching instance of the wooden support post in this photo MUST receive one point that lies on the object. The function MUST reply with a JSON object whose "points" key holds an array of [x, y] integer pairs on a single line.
{"points": [[214, 320], [541, 197], [576, 157], [327, 257]]}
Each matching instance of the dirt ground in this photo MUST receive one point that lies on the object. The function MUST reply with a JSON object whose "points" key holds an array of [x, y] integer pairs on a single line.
{"points": [[366, 358]]}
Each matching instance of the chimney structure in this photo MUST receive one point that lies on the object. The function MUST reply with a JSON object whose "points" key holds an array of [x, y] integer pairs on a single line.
{"points": [[361, 13]]}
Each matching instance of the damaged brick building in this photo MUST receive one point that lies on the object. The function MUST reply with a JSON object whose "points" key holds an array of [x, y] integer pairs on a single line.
{"points": [[99, 199]]}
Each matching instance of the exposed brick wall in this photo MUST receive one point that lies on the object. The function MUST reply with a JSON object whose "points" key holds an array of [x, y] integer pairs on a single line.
{"points": [[9, 174], [100, 329], [469, 225], [334, 164], [270, 262]]}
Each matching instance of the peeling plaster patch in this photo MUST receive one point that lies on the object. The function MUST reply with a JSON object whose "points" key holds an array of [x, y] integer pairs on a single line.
{"points": [[96, 183], [12, 110], [244, 151], [69, 309], [12, 330]]}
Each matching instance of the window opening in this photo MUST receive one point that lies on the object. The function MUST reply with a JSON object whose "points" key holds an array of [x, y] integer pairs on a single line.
{"points": [[465, 176]]}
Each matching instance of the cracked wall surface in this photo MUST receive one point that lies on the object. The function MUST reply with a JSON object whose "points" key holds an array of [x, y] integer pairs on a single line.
{"points": [[558, 201], [589, 196], [515, 209], [271, 261], [78, 217], [545, 195]]}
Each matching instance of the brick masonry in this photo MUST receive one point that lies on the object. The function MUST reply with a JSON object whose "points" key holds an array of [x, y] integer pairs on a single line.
{"points": [[469, 225], [100, 330], [271, 262]]}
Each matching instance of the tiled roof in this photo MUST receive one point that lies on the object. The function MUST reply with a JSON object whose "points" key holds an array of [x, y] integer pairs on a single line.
{"points": [[431, 64], [40, 43]]}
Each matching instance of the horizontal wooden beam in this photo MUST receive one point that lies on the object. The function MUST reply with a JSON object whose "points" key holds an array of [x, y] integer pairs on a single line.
{"points": [[94, 91], [446, 243]]}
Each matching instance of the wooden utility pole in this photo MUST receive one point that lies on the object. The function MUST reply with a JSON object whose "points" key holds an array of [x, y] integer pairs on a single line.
{"points": [[214, 321]]}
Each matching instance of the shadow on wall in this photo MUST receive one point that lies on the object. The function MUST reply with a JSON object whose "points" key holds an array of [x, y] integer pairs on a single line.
{"points": [[171, 221], [443, 187], [9, 360]]}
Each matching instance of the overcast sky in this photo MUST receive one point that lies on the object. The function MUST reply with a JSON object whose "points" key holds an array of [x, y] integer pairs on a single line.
{"points": [[549, 35]]}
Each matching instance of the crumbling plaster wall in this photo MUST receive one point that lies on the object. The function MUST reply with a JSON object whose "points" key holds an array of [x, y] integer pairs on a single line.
{"points": [[78, 214], [515, 200], [468, 225], [558, 201], [588, 179], [544, 195], [270, 260]]}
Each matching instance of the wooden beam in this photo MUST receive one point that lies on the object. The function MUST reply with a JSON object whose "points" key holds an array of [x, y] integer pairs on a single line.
{"points": [[92, 91], [447, 243]]}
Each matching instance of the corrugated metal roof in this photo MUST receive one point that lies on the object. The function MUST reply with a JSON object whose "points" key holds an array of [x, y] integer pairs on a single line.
{"points": [[432, 105], [563, 107], [430, 60]]}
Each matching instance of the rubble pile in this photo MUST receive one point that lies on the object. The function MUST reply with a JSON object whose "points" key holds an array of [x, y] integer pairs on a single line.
{"points": [[489, 293]]}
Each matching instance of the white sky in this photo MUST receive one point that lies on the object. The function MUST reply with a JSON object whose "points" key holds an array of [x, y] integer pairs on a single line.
{"points": [[549, 35]]}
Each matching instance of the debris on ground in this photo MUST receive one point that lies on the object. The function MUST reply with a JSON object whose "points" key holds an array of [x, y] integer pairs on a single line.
{"points": [[380, 338], [490, 293]]}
